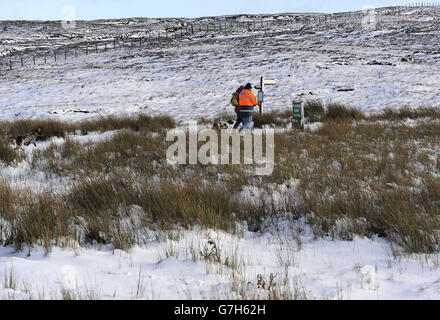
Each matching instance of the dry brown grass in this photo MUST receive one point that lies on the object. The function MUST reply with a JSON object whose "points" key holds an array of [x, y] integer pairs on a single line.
{"points": [[314, 110], [7, 152], [138, 150], [407, 113], [339, 112], [50, 128], [139, 123], [356, 178], [53, 128], [7, 197], [274, 119], [367, 179]]}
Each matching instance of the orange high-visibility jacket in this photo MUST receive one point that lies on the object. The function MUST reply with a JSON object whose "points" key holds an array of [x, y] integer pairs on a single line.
{"points": [[247, 101]]}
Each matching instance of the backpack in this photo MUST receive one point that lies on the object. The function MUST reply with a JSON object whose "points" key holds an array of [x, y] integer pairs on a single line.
{"points": [[234, 99]]}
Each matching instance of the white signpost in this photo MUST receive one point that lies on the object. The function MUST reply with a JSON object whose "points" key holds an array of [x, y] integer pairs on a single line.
{"points": [[260, 88]]}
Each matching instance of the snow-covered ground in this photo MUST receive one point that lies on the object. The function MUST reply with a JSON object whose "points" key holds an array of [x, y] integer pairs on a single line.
{"points": [[192, 78], [393, 65], [318, 269]]}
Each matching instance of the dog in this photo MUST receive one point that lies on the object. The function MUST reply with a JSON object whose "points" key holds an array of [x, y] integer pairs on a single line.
{"points": [[27, 139], [223, 124]]}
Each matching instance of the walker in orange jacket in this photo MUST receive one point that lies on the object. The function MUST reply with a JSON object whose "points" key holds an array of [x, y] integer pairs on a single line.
{"points": [[247, 101]]}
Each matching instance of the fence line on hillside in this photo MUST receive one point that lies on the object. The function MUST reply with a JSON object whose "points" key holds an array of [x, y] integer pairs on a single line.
{"points": [[63, 53], [66, 52]]}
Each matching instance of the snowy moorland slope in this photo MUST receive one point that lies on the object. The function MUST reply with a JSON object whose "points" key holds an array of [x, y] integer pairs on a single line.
{"points": [[393, 65], [337, 60]]}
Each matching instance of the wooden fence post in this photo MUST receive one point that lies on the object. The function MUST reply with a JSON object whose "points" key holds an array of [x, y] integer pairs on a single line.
{"points": [[55, 55], [33, 59], [21, 60], [65, 54], [10, 64]]}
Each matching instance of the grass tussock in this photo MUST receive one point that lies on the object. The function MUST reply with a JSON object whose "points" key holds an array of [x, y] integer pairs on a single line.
{"points": [[53, 128], [139, 123], [139, 150], [274, 119], [50, 128], [339, 112], [101, 205], [407, 113], [7, 153], [314, 110], [7, 197]]}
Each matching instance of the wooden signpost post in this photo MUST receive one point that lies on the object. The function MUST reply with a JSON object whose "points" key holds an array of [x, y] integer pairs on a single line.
{"points": [[260, 88]]}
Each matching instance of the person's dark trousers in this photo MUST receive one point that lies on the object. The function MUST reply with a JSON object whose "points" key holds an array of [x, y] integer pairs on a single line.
{"points": [[239, 120]]}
